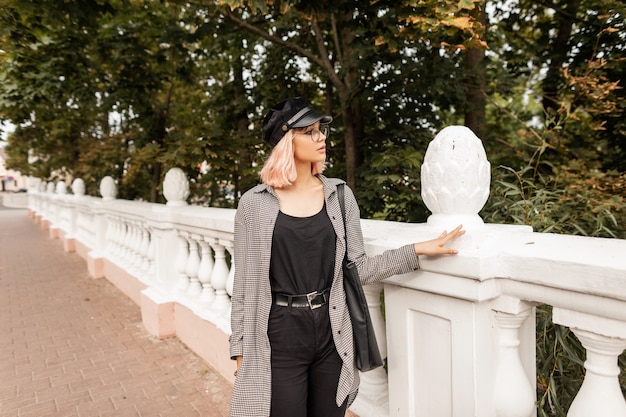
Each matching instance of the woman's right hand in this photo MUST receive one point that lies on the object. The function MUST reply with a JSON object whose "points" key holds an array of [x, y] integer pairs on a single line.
{"points": [[436, 246]]}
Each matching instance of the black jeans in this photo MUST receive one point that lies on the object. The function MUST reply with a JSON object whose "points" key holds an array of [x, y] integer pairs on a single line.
{"points": [[305, 363]]}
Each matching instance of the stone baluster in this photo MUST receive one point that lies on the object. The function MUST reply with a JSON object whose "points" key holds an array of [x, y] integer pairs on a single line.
{"points": [[373, 398], [193, 263], [119, 239], [126, 238], [90, 229], [230, 281], [145, 252], [151, 255], [52, 207], [604, 339], [74, 214], [231, 275], [219, 276], [514, 394], [126, 242], [48, 208], [109, 237], [63, 210], [181, 262], [204, 273], [136, 248], [120, 232], [131, 247], [82, 229]]}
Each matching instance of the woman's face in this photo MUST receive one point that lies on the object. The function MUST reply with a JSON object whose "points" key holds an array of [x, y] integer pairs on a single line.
{"points": [[306, 149]]}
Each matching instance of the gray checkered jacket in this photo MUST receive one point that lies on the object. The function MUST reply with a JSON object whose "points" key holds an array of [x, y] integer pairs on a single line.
{"points": [[252, 298]]}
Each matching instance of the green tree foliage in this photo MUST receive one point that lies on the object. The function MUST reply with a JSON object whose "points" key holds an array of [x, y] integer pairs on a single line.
{"points": [[46, 83]]}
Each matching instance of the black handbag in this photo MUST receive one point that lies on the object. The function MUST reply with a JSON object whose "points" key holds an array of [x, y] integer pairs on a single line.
{"points": [[367, 354]]}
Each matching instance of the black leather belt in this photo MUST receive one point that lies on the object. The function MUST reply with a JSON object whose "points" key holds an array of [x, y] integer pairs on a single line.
{"points": [[312, 300]]}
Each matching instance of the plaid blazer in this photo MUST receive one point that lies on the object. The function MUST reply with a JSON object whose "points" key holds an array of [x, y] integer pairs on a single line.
{"points": [[252, 298]]}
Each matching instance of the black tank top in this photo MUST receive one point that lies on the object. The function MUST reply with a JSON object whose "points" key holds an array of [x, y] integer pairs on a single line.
{"points": [[303, 253]]}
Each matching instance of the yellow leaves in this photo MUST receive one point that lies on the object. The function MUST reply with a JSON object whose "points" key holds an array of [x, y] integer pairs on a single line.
{"points": [[253, 4], [379, 40], [468, 4], [445, 18], [593, 92], [462, 23]]}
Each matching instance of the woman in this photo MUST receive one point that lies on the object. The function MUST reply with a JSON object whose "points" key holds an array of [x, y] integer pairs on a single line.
{"points": [[291, 331]]}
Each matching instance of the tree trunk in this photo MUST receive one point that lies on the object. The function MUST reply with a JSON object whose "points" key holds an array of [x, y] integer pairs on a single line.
{"points": [[160, 132], [353, 126], [242, 127], [157, 167], [558, 56], [350, 144], [351, 107], [475, 81]]}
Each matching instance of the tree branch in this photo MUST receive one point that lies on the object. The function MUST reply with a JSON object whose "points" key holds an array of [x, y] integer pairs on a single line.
{"points": [[333, 23], [274, 39], [323, 61]]}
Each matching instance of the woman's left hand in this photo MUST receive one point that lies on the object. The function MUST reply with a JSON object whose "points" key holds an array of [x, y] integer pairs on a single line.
{"points": [[437, 246]]}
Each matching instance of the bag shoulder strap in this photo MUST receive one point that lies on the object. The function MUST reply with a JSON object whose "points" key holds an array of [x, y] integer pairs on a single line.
{"points": [[342, 205]]}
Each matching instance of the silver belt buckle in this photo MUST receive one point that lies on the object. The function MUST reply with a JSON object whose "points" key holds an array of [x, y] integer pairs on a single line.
{"points": [[310, 297]]}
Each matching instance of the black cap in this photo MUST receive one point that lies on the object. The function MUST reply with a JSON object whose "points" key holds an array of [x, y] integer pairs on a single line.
{"points": [[290, 113]]}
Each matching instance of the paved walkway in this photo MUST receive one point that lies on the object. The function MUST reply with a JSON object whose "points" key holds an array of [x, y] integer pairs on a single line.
{"points": [[74, 346]]}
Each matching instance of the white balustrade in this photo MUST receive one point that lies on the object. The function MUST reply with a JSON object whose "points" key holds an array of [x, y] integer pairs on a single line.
{"points": [[459, 333]]}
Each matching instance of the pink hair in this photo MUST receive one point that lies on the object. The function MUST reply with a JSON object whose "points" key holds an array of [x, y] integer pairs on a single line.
{"points": [[280, 169]]}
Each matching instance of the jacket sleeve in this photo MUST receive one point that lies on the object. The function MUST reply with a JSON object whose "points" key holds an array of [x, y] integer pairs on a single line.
{"points": [[238, 296], [379, 267]]}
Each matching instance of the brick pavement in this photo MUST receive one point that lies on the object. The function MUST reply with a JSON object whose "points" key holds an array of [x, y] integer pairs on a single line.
{"points": [[74, 346]]}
